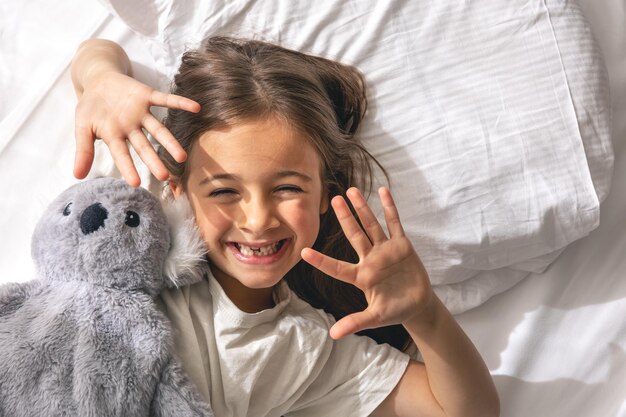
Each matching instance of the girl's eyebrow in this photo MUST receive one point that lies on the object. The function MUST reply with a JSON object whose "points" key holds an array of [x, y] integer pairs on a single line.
{"points": [[283, 174], [224, 176], [232, 177]]}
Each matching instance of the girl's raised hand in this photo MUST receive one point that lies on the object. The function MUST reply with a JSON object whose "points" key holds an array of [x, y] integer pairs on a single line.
{"points": [[115, 108], [389, 272]]}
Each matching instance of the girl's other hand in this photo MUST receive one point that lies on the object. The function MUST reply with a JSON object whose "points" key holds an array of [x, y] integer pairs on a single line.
{"points": [[115, 107], [389, 272]]}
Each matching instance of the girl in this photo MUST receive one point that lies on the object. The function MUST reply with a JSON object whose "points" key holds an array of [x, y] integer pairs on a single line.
{"points": [[270, 136]]}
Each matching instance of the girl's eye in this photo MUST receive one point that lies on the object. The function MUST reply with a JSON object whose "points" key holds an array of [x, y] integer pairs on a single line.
{"points": [[222, 192], [289, 189]]}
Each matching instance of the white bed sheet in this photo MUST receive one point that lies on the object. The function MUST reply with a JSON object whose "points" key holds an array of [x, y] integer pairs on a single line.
{"points": [[555, 343], [558, 345]]}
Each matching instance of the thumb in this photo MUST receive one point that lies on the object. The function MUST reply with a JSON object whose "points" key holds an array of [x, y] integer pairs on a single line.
{"points": [[353, 323]]}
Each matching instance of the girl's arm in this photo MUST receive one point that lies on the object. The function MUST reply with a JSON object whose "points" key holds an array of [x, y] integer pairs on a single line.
{"points": [[114, 107], [453, 380]]}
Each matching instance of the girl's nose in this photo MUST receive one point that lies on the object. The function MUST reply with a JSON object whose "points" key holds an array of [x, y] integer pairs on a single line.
{"points": [[257, 217]]}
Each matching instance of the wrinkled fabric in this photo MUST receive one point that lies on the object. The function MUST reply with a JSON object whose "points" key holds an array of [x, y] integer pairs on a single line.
{"points": [[492, 117]]}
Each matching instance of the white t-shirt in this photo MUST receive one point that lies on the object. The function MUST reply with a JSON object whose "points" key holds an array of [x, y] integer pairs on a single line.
{"points": [[278, 362]]}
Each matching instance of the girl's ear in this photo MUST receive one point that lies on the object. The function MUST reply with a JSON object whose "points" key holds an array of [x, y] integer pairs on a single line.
{"points": [[172, 190], [324, 203], [176, 188]]}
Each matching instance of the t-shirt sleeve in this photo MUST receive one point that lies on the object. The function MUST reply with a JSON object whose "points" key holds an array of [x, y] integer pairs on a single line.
{"points": [[358, 375]]}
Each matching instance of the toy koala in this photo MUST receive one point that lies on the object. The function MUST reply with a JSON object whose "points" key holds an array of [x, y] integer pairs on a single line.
{"points": [[87, 339]]}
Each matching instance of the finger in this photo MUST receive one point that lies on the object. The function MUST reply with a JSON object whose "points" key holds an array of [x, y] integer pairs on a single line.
{"points": [[124, 162], [356, 236], [164, 137], [353, 323], [83, 158], [148, 155], [172, 101], [343, 271], [366, 215], [392, 217]]}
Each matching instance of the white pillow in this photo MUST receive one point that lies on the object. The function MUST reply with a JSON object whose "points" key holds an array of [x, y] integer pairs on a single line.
{"points": [[492, 116]]}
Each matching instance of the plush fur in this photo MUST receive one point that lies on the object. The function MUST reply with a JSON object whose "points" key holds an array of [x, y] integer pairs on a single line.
{"points": [[87, 339]]}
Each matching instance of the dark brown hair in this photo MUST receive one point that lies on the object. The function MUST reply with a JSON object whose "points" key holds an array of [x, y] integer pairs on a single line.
{"points": [[236, 80]]}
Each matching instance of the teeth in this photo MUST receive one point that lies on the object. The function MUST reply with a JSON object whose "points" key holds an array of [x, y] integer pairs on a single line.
{"points": [[264, 251]]}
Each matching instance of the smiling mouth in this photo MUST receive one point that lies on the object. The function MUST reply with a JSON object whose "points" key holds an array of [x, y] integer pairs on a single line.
{"points": [[260, 251]]}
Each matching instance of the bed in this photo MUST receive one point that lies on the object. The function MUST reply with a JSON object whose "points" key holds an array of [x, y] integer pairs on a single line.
{"points": [[540, 291]]}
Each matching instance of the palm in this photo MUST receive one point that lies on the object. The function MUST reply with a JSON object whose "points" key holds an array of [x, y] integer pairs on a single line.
{"points": [[116, 109], [389, 272]]}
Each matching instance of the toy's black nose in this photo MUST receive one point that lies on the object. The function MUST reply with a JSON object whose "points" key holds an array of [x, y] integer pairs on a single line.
{"points": [[93, 218]]}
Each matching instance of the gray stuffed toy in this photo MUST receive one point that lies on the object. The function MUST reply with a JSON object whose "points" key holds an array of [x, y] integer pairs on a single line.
{"points": [[87, 339]]}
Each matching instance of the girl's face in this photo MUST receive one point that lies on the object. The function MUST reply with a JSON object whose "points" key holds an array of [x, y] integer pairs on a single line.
{"points": [[257, 194]]}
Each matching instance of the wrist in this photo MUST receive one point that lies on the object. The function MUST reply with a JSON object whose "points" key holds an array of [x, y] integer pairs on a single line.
{"points": [[95, 58], [428, 319]]}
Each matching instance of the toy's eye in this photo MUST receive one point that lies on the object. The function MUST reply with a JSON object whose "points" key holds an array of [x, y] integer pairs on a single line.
{"points": [[132, 219], [67, 210]]}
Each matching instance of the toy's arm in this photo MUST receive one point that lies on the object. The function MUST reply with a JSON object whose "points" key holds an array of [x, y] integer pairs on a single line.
{"points": [[175, 396], [13, 295]]}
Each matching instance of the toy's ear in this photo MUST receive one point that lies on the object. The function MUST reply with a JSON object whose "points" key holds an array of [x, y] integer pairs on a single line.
{"points": [[186, 261]]}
